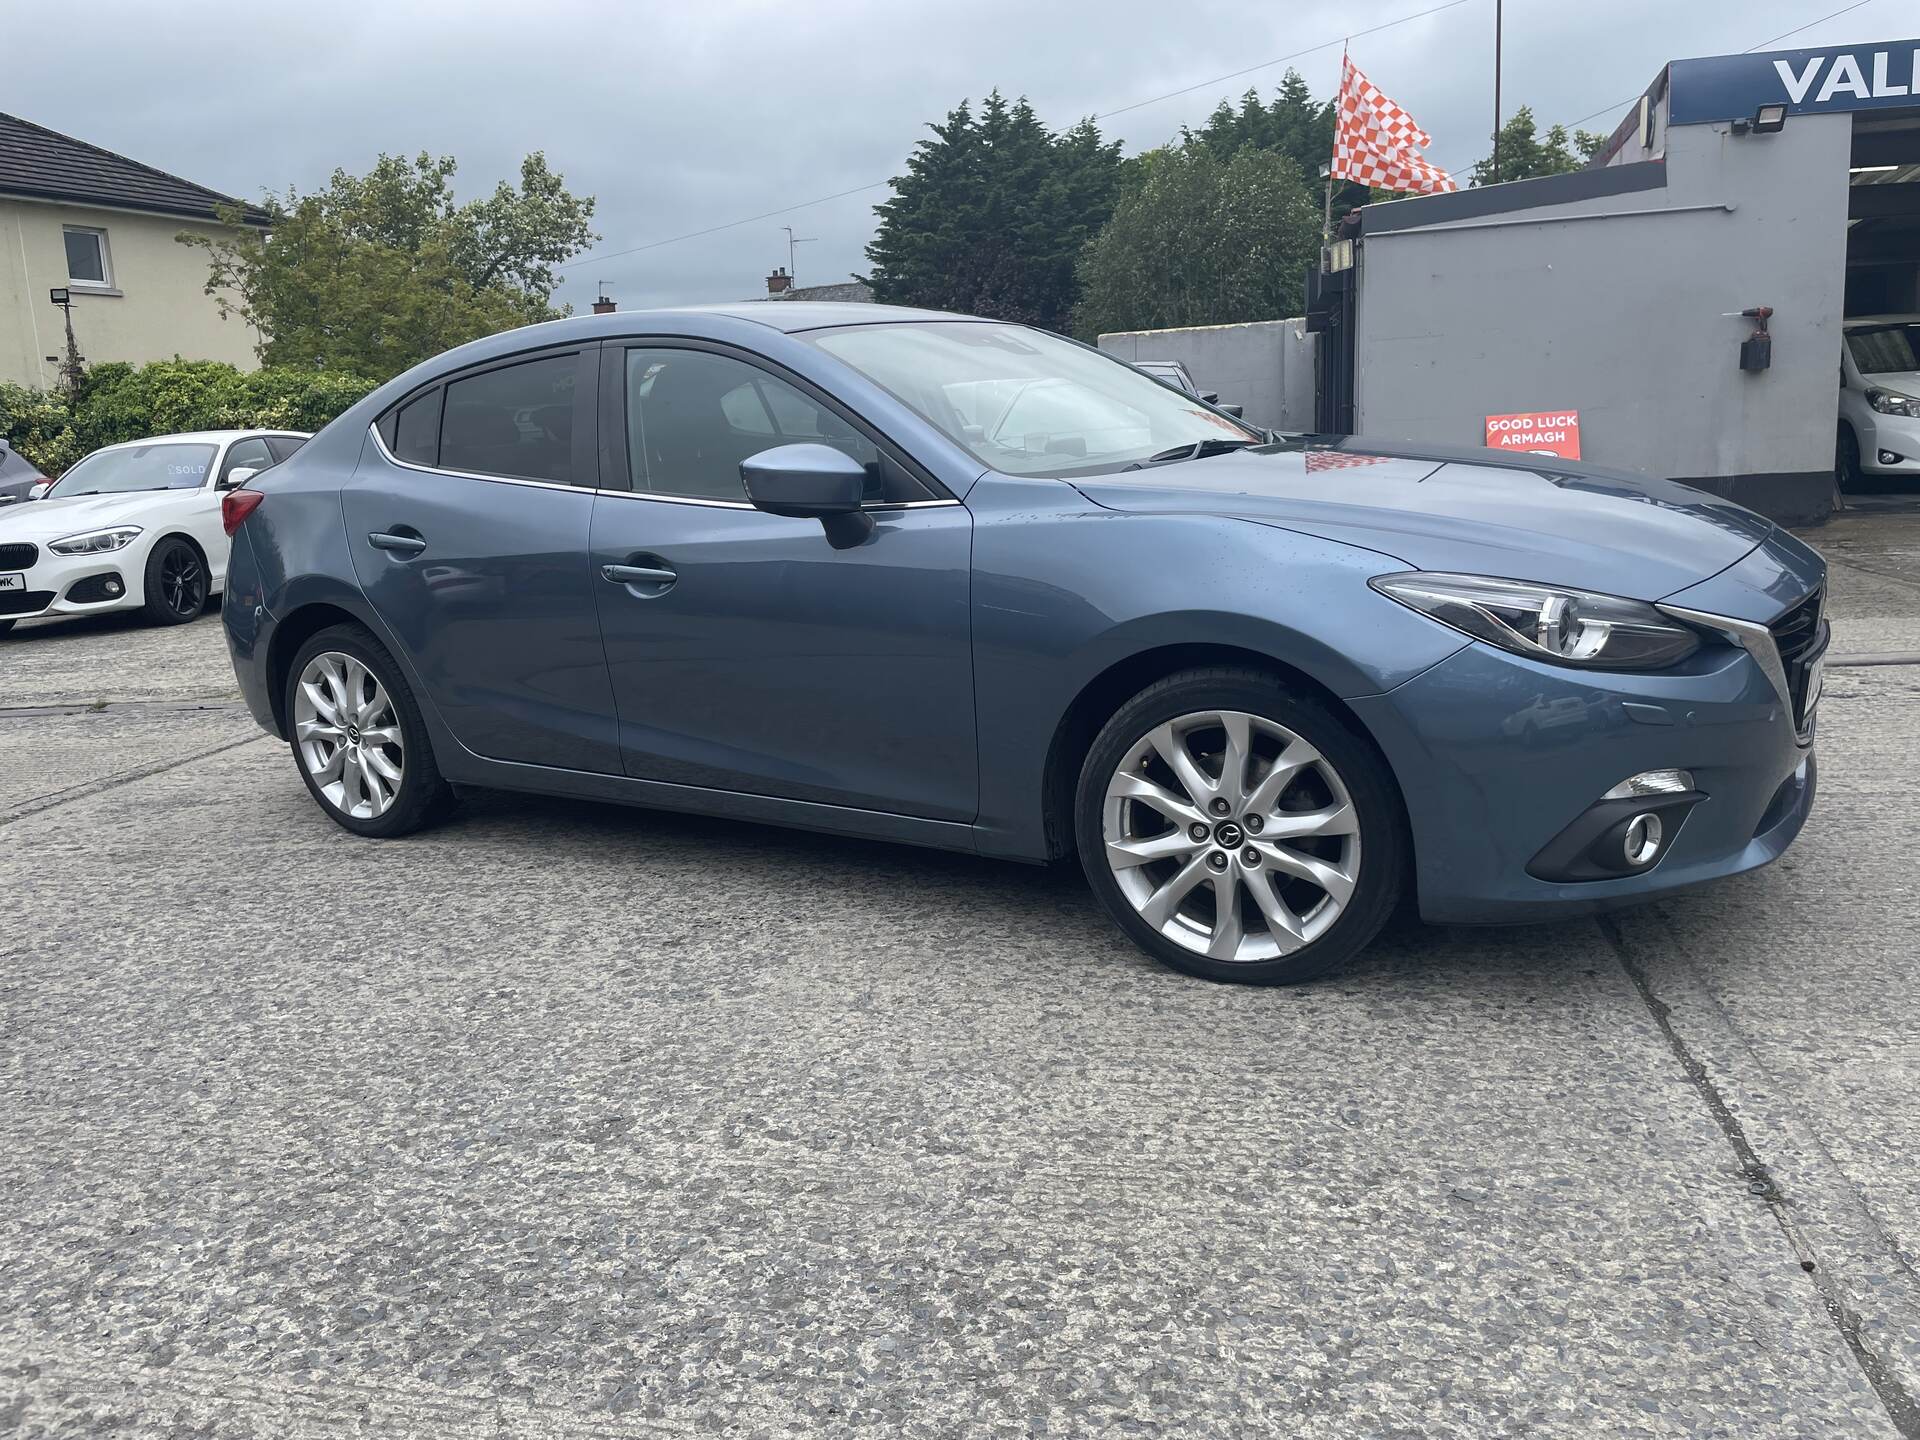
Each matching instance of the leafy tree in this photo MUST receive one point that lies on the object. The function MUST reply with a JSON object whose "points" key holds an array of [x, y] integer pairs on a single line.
{"points": [[1294, 124], [375, 273], [1524, 155], [991, 214], [1202, 241]]}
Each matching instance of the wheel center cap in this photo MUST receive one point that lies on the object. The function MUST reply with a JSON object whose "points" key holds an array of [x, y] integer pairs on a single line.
{"points": [[353, 734], [1228, 834]]}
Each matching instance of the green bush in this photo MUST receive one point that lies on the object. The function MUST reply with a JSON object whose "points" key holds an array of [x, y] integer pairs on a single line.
{"points": [[119, 402]]}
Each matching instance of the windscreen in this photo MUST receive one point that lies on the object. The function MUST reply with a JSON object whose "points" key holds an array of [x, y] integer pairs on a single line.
{"points": [[1886, 349], [1026, 402], [136, 467]]}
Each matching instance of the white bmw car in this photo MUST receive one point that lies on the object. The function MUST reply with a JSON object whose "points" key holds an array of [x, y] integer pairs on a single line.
{"points": [[132, 527]]}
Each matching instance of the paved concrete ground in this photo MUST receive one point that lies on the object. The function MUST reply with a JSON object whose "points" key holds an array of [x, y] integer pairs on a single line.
{"points": [[563, 1120]]}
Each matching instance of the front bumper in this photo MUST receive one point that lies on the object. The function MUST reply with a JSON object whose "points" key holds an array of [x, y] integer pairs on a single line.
{"points": [[1896, 434], [1498, 755], [75, 585]]}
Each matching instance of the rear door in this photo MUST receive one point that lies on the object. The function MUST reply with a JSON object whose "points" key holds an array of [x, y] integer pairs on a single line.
{"points": [[468, 523], [759, 657]]}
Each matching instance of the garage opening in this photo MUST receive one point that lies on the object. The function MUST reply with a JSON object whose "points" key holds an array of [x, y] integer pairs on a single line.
{"points": [[1877, 449]]}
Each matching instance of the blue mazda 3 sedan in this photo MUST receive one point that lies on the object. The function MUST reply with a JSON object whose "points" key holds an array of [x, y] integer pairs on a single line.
{"points": [[953, 582]]}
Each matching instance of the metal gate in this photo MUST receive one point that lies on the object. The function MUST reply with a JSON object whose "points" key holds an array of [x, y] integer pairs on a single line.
{"points": [[1332, 302]]}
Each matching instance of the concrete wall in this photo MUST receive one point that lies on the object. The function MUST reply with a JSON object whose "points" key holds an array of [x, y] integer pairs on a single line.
{"points": [[160, 309], [1622, 318], [1265, 367]]}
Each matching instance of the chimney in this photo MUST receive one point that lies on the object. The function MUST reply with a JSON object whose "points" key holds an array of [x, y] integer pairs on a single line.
{"points": [[604, 305], [779, 281]]}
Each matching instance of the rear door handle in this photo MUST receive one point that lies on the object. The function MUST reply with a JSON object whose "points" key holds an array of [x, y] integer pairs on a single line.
{"points": [[637, 575], [398, 544]]}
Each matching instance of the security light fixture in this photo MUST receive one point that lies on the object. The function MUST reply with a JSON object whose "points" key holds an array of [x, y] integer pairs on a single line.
{"points": [[1769, 118], [58, 295]]}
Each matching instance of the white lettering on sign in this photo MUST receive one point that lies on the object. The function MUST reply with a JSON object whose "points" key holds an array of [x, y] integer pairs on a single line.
{"points": [[1845, 75], [1798, 85], [1844, 78], [1551, 432], [1881, 86]]}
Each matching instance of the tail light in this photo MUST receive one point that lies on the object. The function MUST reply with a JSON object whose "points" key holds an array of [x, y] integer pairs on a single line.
{"points": [[236, 505]]}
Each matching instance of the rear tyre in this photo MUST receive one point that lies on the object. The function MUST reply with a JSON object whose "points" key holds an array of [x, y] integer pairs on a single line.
{"points": [[1240, 831], [1846, 461], [176, 583], [358, 738]]}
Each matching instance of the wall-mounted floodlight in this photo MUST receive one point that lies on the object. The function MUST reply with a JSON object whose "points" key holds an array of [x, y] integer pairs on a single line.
{"points": [[1769, 118], [58, 295]]}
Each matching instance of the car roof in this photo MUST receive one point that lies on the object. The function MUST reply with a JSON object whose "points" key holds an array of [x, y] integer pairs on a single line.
{"points": [[205, 437], [793, 316], [1857, 321]]}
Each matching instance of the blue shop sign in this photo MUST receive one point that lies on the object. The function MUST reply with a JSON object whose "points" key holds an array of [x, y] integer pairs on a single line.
{"points": [[1833, 78]]}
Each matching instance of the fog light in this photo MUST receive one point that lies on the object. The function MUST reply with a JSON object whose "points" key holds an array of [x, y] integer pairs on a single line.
{"points": [[1891, 457], [1641, 845], [112, 587], [1651, 782]]}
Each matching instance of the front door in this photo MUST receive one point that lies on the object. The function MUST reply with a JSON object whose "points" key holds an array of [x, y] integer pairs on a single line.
{"points": [[468, 524], [747, 652]]}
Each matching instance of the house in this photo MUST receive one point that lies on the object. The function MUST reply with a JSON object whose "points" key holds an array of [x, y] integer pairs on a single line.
{"points": [[780, 286], [103, 227]]}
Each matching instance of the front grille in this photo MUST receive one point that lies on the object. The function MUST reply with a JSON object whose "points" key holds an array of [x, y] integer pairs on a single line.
{"points": [[18, 557], [1799, 635], [24, 602]]}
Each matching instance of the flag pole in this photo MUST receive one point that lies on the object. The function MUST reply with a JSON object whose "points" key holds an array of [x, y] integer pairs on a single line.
{"points": [[1497, 6], [1326, 210]]}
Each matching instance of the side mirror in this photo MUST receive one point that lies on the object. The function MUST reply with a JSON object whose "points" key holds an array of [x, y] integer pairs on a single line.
{"points": [[237, 477], [808, 481], [37, 491], [1233, 410]]}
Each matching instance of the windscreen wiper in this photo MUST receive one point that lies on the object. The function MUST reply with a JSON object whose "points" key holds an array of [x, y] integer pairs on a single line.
{"points": [[1213, 445]]}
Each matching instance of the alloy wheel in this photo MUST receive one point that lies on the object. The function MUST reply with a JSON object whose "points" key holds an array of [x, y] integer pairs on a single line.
{"points": [[1231, 836], [348, 735], [183, 580]]}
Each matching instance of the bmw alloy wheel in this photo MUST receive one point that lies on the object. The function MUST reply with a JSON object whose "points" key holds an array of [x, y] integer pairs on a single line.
{"points": [[348, 735], [1231, 836], [183, 580]]}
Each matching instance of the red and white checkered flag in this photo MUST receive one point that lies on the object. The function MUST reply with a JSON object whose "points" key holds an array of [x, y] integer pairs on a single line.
{"points": [[1377, 143]]}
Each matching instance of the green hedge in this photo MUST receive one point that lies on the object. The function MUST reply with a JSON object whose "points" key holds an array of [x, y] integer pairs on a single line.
{"points": [[120, 402]]}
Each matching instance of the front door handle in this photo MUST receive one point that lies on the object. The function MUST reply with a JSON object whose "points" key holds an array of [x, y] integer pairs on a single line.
{"points": [[398, 544], [637, 575]]}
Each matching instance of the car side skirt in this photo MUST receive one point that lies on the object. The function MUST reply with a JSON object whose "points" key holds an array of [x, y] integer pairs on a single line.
{"points": [[463, 767]]}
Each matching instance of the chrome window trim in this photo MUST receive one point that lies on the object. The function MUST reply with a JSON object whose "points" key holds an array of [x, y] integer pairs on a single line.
{"points": [[373, 429]]}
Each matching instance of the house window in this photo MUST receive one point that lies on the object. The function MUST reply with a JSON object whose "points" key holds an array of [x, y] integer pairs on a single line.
{"points": [[87, 262]]}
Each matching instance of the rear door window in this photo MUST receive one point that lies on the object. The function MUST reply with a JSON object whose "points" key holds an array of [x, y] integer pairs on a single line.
{"points": [[416, 430], [514, 421]]}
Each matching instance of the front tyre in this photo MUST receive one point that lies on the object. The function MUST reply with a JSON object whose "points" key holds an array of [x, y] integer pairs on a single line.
{"points": [[358, 738], [177, 582], [1240, 831]]}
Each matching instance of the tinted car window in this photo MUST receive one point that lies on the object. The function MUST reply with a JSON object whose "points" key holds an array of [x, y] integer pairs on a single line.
{"points": [[693, 416], [517, 421], [416, 430], [250, 453], [284, 446]]}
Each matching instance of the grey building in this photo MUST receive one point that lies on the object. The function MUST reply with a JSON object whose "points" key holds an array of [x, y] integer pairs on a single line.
{"points": [[1789, 181]]}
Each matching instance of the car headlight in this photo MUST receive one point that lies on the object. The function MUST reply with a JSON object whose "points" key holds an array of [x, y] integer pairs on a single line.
{"points": [[1892, 402], [96, 542], [1547, 622]]}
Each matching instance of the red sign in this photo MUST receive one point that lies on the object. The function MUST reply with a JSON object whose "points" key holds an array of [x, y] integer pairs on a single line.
{"points": [[1538, 432]]}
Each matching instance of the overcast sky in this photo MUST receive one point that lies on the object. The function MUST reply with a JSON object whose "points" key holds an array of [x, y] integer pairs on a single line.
{"points": [[680, 116]]}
